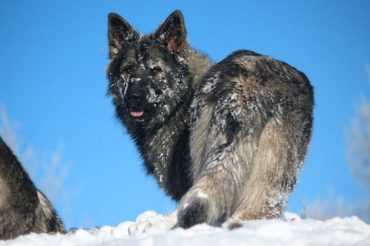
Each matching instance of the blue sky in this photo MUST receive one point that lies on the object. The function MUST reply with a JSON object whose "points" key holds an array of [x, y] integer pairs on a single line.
{"points": [[53, 56]]}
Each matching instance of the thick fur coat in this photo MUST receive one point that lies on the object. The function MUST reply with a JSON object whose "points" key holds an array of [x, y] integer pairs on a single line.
{"points": [[23, 208], [226, 140]]}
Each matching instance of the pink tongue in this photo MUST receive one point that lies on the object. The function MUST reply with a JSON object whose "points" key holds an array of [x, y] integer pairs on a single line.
{"points": [[136, 113]]}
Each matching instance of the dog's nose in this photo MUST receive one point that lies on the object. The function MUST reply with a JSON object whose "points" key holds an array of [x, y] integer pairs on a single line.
{"points": [[135, 96]]}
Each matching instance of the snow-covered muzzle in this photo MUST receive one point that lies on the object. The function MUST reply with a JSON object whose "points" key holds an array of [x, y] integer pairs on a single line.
{"points": [[131, 97], [135, 100]]}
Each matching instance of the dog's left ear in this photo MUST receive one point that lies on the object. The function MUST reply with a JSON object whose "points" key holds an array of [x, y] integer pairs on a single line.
{"points": [[173, 32], [120, 32]]}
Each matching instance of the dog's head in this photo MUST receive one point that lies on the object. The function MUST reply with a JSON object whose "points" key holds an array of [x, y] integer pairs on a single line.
{"points": [[149, 78]]}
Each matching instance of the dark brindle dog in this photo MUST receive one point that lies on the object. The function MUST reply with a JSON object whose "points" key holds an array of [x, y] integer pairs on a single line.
{"points": [[226, 140]]}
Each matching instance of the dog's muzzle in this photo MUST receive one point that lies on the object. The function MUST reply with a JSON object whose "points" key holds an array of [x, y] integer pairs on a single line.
{"points": [[136, 103]]}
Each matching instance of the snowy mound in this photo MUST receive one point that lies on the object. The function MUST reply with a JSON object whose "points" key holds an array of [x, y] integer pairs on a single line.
{"points": [[151, 228]]}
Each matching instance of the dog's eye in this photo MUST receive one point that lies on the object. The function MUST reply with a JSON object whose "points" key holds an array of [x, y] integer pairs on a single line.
{"points": [[155, 70], [128, 68]]}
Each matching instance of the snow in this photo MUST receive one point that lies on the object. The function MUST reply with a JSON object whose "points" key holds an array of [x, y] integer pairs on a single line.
{"points": [[151, 228]]}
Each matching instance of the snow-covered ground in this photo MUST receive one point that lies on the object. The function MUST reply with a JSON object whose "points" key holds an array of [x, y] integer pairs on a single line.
{"points": [[151, 228]]}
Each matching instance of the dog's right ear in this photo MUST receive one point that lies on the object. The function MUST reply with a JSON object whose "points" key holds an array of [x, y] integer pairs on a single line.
{"points": [[120, 32]]}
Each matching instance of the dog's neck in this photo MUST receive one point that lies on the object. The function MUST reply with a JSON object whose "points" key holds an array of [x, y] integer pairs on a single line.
{"points": [[161, 150], [159, 146], [199, 64]]}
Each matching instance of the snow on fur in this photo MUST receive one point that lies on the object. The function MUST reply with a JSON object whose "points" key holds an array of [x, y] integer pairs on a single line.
{"points": [[151, 228]]}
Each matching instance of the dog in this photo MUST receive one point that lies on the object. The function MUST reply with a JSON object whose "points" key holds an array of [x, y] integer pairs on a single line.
{"points": [[23, 208], [225, 140]]}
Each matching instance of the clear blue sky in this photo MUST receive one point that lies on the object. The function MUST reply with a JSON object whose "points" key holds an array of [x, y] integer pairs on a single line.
{"points": [[53, 56]]}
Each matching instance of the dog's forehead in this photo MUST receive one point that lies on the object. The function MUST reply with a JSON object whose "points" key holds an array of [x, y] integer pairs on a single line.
{"points": [[145, 50], [150, 49]]}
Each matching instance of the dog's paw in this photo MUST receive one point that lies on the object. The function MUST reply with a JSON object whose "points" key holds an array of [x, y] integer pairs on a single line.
{"points": [[194, 212]]}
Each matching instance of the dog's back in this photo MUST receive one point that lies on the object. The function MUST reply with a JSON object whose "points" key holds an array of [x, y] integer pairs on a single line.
{"points": [[23, 208], [251, 126]]}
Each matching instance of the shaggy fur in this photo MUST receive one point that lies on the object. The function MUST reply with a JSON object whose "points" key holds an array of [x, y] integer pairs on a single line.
{"points": [[226, 140], [23, 208]]}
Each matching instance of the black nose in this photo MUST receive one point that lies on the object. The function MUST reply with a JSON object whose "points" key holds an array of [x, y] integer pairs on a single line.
{"points": [[135, 96]]}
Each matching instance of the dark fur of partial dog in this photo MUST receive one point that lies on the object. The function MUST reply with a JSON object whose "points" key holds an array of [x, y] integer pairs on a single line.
{"points": [[226, 140], [23, 208]]}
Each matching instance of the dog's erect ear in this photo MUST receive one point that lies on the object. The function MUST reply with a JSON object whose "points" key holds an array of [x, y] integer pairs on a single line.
{"points": [[119, 33], [173, 32]]}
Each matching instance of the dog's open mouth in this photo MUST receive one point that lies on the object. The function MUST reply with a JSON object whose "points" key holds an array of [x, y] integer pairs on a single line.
{"points": [[137, 114]]}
